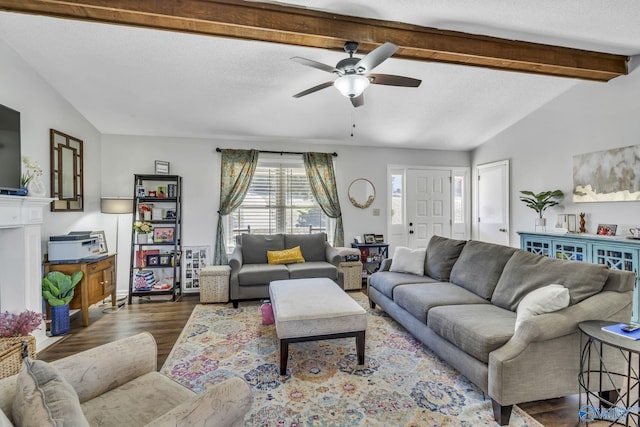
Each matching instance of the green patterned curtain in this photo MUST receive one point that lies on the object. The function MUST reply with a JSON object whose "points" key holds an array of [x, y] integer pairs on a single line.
{"points": [[319, 168], [236, 172]]}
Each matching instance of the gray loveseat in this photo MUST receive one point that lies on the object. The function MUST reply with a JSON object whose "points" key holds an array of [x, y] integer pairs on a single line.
{"points": [[464, 308], [251, 273]]}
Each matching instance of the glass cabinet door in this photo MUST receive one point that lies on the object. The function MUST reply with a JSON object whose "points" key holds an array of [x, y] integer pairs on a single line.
{"points": [[537, 246], [619, 258], [570, 251]]}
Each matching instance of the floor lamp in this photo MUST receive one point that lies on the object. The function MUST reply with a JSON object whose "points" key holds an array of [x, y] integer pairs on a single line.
{"points": [[118, 206]]}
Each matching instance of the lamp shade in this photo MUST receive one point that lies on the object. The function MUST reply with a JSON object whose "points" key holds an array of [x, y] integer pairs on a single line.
{"points": [[351, 85], [116, 205]]}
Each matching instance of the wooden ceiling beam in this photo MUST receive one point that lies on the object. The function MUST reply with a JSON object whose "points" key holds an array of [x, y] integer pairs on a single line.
{"points": [[303, 27]]}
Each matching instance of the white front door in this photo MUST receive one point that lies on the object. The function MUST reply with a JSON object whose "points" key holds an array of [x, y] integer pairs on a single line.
{"points": [[493, 202], [428, 205]]}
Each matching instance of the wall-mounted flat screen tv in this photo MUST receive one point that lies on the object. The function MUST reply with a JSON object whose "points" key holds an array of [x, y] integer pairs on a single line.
{"points": [[10, 160]]}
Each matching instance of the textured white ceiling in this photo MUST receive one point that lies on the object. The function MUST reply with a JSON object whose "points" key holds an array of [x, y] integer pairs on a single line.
{"points": [[127, 80]]}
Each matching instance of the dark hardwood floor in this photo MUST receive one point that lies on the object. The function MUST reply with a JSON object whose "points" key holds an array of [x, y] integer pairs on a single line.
{"points": [[165, 320]]}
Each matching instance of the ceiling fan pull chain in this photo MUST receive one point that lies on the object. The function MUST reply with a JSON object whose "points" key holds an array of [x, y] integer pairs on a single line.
{"points": [[353, 123]]}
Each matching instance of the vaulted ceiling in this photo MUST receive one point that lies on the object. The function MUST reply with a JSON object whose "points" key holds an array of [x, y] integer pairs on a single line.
{"points": [[223, 68]]}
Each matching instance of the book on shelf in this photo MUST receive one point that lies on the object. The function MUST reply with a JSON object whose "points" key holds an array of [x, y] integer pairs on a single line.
{"points": [[617, 329]]}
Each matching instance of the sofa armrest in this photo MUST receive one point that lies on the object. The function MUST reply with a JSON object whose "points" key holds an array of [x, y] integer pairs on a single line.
{"points": [[332, 255], [235, 262], [385, 265], [614, 306], [95, 371], [221, 405]]}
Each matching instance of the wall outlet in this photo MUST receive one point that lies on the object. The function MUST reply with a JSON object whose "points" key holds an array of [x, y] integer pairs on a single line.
{"points": [[376, 211]]}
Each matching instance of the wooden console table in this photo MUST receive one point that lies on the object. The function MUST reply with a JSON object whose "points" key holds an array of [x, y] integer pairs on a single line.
{"points": [[98, 282]]}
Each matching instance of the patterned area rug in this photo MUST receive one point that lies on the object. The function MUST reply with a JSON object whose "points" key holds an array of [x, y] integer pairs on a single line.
{"points": [[402, 383]]}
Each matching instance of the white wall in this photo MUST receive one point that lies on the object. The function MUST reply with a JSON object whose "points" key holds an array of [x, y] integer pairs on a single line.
{"points": [[199, 164], [42, 108], [587, 118]]}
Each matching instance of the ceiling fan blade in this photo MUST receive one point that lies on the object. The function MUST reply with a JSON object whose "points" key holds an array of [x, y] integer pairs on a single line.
{"points": [[376, 57], [357, 101], [391, 80], [313, 89], [315, 64]]}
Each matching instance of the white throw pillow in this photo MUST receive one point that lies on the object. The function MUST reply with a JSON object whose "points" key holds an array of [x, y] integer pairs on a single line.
{"points": [[542, 300], [407, 260]]}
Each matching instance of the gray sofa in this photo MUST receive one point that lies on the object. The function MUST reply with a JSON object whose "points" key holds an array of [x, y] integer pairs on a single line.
{"points": [[464, 308], [251, 273]]}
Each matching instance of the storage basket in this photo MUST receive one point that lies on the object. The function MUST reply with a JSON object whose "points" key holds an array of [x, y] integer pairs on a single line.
{"points": [[214, 283], [352, 271], [11, 350]]}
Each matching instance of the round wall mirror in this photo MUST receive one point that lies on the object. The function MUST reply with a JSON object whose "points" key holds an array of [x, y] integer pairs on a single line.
{"points": [[362, 193]]}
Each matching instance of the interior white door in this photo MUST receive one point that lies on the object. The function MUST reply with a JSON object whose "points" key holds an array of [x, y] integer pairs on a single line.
{"points": [[493, 202], [428, 205]]}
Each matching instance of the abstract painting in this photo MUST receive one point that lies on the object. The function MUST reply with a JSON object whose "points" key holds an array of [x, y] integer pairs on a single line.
{"points": [[607, 176]]}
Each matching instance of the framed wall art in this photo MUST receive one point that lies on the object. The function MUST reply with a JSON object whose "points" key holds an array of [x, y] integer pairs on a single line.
{"points": [[195, 258]]}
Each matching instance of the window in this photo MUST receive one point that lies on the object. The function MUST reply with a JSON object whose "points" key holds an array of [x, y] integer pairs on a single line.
{"points": [[279, 200]]}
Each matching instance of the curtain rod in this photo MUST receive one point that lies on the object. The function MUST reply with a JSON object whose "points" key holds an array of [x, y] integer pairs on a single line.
{"points": [[219, 150]]}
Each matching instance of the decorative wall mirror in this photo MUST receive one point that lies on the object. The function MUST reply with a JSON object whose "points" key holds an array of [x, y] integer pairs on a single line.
{"points": [[362, 193], [67, 183]]}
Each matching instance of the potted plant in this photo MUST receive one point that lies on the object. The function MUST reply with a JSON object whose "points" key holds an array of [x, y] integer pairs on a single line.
{"points": [[16, 341], [142, 228], [540, 202], [58, 290]]}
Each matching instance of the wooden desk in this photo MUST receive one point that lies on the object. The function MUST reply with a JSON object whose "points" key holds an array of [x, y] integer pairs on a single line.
{"points": [[98, 282]]}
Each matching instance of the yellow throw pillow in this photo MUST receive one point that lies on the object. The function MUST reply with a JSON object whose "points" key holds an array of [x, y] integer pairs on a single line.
{"points": [[287, 256]]}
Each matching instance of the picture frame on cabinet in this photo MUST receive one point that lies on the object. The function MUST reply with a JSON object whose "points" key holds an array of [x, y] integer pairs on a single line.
{"points": [[153, 260], [379, 238], [102, 241], [369, 238], [165, 260], [607, 229], [162, 192], [163, 234], [170, 214]]}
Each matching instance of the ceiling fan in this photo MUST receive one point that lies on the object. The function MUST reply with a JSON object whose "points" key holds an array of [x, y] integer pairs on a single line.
{"points": [[354, 73]]}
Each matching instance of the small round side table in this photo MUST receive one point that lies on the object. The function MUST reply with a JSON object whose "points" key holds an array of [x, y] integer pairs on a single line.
{"points": [[599, 378]]}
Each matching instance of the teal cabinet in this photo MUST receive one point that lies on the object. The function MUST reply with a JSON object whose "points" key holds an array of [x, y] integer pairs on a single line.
{"points": [[615, 252]]}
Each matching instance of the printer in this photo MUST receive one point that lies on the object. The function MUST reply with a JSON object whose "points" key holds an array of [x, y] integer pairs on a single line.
{"points": [[74, 247]]}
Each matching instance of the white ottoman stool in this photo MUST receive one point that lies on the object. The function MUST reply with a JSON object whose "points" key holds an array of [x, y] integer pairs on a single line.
{"points": [[315, 309], [214, 283]]}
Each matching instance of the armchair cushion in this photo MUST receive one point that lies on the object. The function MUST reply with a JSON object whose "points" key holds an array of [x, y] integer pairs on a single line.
{"points": [[45, 398]]}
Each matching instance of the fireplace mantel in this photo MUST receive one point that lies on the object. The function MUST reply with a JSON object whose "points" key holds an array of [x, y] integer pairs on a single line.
{"points": [[21, 221]]}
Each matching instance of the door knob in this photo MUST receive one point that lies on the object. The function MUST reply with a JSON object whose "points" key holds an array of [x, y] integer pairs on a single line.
{"points": [[410, 231], [410, 224]]}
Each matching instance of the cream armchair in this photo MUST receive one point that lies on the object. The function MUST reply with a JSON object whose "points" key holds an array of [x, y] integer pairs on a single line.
{"points": [[118, 385]]}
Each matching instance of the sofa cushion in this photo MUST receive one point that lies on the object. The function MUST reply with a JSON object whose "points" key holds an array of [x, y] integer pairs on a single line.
{"points": [[286, 256], [479, 267], [311, 245], [419, 298], [406, 260], [255, 247], [386, 281], [139, 402], [261, 274], [442, 253], [525, 272], [546, 299], [44, 398], [475, 329], [313, 269]]}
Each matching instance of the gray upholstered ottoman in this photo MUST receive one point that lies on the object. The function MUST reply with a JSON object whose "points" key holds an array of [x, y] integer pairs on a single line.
{"points": [[315, 309]]}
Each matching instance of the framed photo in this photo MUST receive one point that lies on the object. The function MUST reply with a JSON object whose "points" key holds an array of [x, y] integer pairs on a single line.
{"points": [[195, 259], [165, 260], [163, 235], [170, 214], [162, 167], [162, 192], [102, 241], [369, 238], [607, 229], [379, 238], [153, 260]]}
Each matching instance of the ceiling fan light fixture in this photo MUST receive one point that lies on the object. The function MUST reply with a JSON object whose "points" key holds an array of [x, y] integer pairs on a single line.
{"points": [[351, 85]]}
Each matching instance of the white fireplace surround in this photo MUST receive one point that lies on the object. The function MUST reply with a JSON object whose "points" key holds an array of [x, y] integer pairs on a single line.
{"points": [[21, 221]]}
